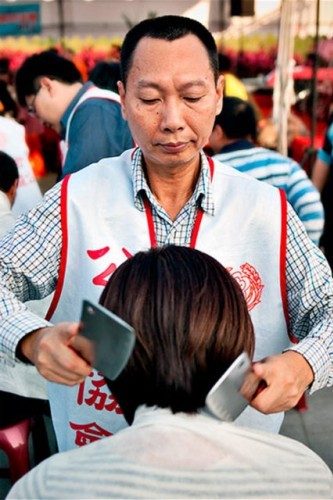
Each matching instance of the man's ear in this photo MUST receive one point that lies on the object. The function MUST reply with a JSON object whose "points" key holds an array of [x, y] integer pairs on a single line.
{"points": [[218, 132], [122, 94], [219, 94], [47, 84], [11, 194]]}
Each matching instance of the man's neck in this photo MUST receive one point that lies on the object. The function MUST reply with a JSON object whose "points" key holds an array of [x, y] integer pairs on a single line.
{"points": [[173, 188]]}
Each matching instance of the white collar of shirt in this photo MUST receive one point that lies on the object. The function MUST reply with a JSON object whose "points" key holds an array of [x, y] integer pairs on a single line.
{"points": [[146, 415]]}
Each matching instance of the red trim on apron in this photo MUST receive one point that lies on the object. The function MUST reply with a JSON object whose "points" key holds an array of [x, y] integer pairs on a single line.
{"points": [[197, 222], [64, 248], [283, 252], [151, 228]]}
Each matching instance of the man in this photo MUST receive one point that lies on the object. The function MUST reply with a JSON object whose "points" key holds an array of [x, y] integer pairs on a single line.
{"points": [[233, 139], [9, 178], [165, 191], [88, 119]]}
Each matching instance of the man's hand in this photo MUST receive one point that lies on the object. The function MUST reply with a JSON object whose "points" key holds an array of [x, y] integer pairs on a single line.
{"points": [[286, 376], [49, 349]]}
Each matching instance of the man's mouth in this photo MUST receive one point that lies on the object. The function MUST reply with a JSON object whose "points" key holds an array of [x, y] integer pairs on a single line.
{"points": [[174, 147]]}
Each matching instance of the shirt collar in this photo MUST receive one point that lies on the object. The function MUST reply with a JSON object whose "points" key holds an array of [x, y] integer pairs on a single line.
{"points": [[73, 103], [202, 194]]}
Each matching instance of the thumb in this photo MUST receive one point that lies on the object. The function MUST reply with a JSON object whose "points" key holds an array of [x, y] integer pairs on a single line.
{"points": [[260, 369], [69, 331]]}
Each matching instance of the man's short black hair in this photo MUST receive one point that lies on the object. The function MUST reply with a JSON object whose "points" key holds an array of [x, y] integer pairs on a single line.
{"points": [[166, 28], [8, 172], [237, 119], [48, 64]]}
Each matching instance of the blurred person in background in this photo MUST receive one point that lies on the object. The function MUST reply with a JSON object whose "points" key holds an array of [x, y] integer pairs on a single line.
{"points": [[233, 141], [89, 119]]}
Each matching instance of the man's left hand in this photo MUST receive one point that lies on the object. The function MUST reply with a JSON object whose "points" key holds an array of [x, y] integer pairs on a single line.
{"points": [[286, 376]]}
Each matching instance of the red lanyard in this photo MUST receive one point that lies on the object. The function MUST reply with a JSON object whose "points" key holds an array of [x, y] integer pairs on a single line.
{"points": [[197, 222]]}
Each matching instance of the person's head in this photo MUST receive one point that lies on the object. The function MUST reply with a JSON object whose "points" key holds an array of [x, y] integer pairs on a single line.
{"points": [[106, 75], [46, 83], [170, 88], [191, 322], [9, 176], [237, 120]]}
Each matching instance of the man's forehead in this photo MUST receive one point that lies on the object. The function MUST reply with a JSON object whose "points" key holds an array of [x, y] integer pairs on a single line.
{"points": [[153, 56], [147, 45]]}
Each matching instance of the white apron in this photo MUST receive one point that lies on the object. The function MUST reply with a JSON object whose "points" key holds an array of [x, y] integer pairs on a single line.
{"points": [[101, 228]]}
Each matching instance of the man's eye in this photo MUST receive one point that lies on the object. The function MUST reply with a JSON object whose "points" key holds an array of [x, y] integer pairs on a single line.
{"points": [[193, 99], [149, 101]]}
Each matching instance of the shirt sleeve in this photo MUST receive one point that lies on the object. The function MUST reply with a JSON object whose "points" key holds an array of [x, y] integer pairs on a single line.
{"points": [[305, 199], [29, 264], [310, 302], [97, 131]]}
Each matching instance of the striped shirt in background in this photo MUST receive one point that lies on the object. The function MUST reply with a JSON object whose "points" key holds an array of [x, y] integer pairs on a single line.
{"points": [[282, 172]]}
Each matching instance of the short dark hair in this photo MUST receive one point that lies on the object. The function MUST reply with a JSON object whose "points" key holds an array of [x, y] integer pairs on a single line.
{"points": [[8, 172], [106, 75], [191, 322], [237, 119], [166, 28], [48, 64]]}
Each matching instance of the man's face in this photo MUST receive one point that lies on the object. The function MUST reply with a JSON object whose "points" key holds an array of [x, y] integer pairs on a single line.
{"points": [[45, 103], [171, 100]]}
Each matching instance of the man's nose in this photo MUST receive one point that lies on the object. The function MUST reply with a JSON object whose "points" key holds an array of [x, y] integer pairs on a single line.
{"points": [[172, 116]]}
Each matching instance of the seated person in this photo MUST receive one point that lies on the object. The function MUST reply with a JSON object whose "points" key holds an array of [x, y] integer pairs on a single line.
{"points": [[191, 323]]}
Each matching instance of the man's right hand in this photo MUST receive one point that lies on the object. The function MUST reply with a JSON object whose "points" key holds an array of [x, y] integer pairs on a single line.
{"points": [[49, 349]]}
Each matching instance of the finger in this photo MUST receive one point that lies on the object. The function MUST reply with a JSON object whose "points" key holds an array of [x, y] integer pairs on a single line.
{"points": [[60, 373], [60, 378]]}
